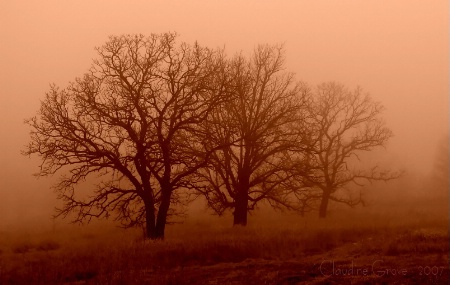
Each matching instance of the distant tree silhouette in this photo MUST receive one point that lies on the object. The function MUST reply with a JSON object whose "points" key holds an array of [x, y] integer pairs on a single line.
{"points": [[341, 124], [134, 120], [440, 175], [257, 127]]}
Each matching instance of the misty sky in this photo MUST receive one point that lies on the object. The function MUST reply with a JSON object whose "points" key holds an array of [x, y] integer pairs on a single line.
{"points": [[396, 50]]}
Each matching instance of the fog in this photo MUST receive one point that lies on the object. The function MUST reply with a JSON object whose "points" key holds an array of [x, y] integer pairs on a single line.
{"points": [[397, 51]]}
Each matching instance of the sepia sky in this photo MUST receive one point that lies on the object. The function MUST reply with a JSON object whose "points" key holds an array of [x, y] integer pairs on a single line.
{"points": [[396, 50]]}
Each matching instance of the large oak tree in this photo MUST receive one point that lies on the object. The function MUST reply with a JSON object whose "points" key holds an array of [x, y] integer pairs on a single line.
{"points": [[133, 120]]}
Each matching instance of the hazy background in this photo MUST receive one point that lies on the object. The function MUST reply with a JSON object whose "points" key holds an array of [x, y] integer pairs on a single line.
{"points": [[396, 50]]}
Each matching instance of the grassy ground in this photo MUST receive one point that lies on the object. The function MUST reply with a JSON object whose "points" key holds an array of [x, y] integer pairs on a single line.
{"points": [[355, 247]]}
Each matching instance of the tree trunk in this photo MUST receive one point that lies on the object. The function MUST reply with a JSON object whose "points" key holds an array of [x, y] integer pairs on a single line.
{"points": [[240, 208], [324, 204], [162, 213], [241, 200], [150, 230]]}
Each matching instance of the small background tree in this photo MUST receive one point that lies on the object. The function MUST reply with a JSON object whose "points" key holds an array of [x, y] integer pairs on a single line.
{"points": [[437, 186], [342, 124]]}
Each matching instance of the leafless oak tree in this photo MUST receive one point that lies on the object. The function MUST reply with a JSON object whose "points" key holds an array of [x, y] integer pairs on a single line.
{"points": [[342, 124], [134, 120], [256, 128]]}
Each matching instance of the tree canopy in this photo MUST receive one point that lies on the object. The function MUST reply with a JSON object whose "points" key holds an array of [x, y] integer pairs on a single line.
{"points": [[266, 103], [341, 124], [133, 120], [154, 120]]}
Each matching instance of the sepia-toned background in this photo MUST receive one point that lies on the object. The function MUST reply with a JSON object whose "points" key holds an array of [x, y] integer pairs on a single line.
{"points": [[395, 50]]}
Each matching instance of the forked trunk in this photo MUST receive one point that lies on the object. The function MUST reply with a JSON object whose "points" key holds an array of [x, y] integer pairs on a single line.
{"points": [[150, 229], [161, 220]]}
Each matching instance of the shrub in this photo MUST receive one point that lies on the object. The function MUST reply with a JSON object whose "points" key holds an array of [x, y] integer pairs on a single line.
{"points": [[48, 245], [23, 248]]}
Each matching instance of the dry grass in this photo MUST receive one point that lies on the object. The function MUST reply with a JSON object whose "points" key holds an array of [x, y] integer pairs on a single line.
{"points": [[273, 249]]}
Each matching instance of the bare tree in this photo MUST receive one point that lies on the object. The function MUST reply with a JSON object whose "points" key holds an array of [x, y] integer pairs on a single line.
{"points": [[134, 120], [256, 128], [440, 175], [342, 124]]}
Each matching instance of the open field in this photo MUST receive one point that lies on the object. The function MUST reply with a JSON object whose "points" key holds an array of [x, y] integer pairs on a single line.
{"points": [[356, 247]]}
